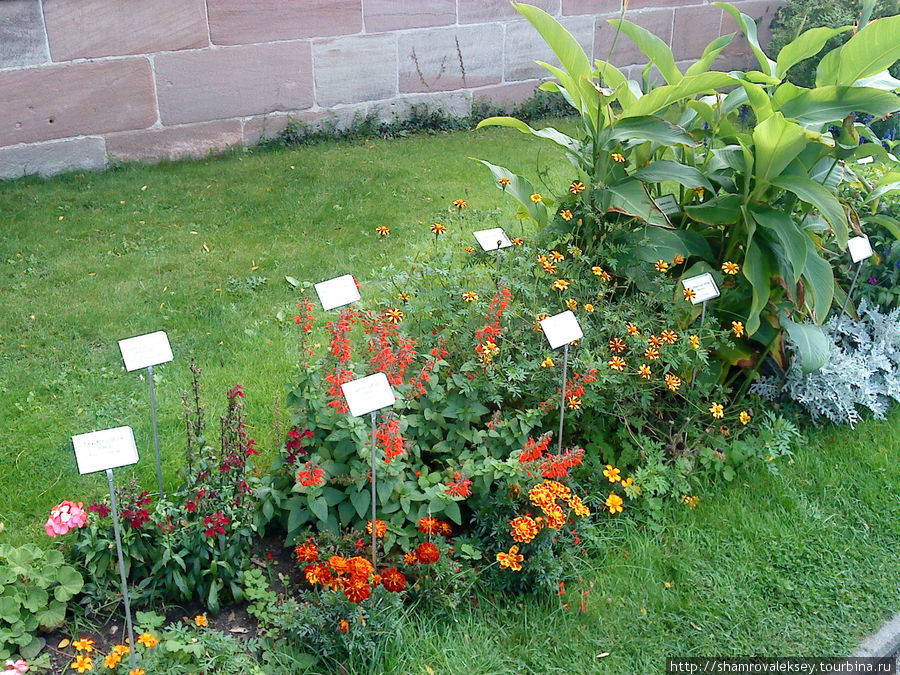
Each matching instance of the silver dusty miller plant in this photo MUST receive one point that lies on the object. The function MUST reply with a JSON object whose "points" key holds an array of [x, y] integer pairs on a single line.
{"points": [[863, 371]]}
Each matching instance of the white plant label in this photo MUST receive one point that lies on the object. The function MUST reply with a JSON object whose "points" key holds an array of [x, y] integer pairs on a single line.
{"points": [[704, 287], [107, 449], [668, 205], [337, 292], [860, 248], [865, 160], [561, 329], [145, 350], [368, 393], [491, 240]]}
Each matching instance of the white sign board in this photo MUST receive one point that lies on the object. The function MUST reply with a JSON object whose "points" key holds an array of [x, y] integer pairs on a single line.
{"points": [[145, 350], [107, 449], [860, 248], [491, 240], [668, 205], [368, 393], [865, 160], [561, 329], [337, 292], [704, 287]]}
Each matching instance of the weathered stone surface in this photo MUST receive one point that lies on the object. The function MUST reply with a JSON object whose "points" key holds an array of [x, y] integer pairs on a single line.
{"points": [[658, 22], [22, 39], [40, 104], [761, 10], [48, 159], [381, 15], [453, 104], [659, 4], [590, 6], [192, 140], [478, 11], [234, 22], [233, 81], [441, 59], [92, 28], [695, 27], [355, 69], [524, 45], [506, 95]]}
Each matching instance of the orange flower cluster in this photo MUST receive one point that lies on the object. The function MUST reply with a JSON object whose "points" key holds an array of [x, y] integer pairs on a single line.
{"points": [[523, 529], [354, 577], [311, 475], [388, 437], [460, 487], [432, 526], [426, 553], [534, 450], [336, 378], [310, 319], [389, 352], [380, 528], [485, 337], [307, 552]]}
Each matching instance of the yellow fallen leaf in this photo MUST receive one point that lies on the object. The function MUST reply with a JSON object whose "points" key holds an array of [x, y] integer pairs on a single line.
{"points": [[65, 642], [205, 247], [695, 626], [429, 670]]}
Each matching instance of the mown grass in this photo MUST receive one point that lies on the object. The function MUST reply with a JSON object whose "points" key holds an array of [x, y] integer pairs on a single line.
{"points": [[804, 562]]}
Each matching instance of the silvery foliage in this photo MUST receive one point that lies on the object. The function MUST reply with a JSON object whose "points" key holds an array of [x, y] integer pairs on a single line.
{"points": [[863, 371]]}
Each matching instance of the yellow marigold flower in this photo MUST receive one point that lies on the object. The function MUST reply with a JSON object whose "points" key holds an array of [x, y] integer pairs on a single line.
{"points": [[547, 363], [523, 529], [689, 294], [460, 204], [439, 229], [614, 504], [536, 198], [537, 321], [644, 371], [566, 215], [673, 382], [695, 341], [572, 304], [148, 640], [626, 482], [469, 249], [512, 560], [574, 402], [661, 266], [543, 260], [678, 259], [632, 329], [717, 410], [470, 296], [618, 157], [556, 256], [403, 296], [691, 501], [744, 417], [612, 473], [730, 268], [655, 341], [617, 345], [201, 621], [651, 353], [121, 650], [517, 241], [560, 285], [137, 671], [394, 315], [738, 328], [383, 231], [597, 270], [504, 181], [84, 645], [605, 276], [82, 663], [549, 267], [111, 661], [576, 187], [380, 528], [698, 191], [670, 337], [617, 363]]}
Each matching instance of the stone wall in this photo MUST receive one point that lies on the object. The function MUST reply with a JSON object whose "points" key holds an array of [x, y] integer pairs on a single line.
{"points": [[86, 82]]}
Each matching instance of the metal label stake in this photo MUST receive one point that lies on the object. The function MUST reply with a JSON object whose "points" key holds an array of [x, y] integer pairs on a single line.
{"points": [[561, 330], [122, 575], [860, 250], [562, 400], [155, 432], [374, 498]]}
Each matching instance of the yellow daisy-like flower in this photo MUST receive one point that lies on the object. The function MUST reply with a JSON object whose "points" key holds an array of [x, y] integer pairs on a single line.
{"points": [[689, 294], [737, 328], [556, 256], [644, 371], [394, 315], [695, 341], [82, 663], [121, 650], [612, 473], [673, 382], [605, 276], [201, 621], [566, 215], [517, 241], [439, 229], [537, 321], [618, 157], [678, 259], [84, 645], [549, 267], [383, 231], [460, 204], [547, 363], [512, 560], [661, 266], [614, 504], [730, 268], [655, 341], [536, 198], [137, 671], [403, 296], [576, 187], [470, 296], [670, 337], [691, 501], [111, 661], [560, 285], [717, 410], [744, 417], [651, 353], [588, 307], [504, 181], [617, 345], [148, 640], [626, 482], [632, 329], [572, 304], [574, 402], [699, 191], [617, 363], [543, 260]]}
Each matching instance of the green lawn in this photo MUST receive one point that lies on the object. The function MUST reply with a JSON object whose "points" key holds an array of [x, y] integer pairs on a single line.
{"points": [[804, 562]]}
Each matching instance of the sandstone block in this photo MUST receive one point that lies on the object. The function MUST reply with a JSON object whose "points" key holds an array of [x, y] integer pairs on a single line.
{"points": [[22, 39], [761, 10], [658, 22], [192, 140], [382, 15], [524, 45], [453, 104], [591, 6], [450, 58], [506, 95], [659, 4], [480, 11], [48, 159], [234, 22], [355, 69]]}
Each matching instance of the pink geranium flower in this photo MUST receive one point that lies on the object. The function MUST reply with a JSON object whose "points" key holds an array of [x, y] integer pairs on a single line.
{"points": [[64, 517], [15, 667]]}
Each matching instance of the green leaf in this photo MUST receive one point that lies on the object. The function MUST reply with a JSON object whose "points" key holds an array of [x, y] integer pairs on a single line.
{"points": [[362, 502], [656, 50], [452, 511], [70, 583], [824, 105], [748, 26], [616, 79], [665, 169], [655, 243], [318, 506], [724, 209], [886, 185], [777, 142], [759, 100], [520, 189], [785, 230], [809, 43], [758, 271], [820, 197], [630, 198], [873, 49], [646, 129], [53, 616], [892, 225], [712, 50], [663, 97], [549, 133], [812, 344], [292, 281], [819, 279]]}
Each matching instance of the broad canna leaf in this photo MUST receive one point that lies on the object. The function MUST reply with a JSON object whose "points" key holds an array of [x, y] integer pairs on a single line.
{"points": [[810, 341], [570, 144], [656, 50], [781, 227], [655, 243], [630, 197], [666, 169], [748, 26], [887, 184], [873, 49], [712, 50], [777, 142], [822, 198], [759, 100], [615, 78], [520, 189], [892, 225], [809, 43], [758, 270], [664, 96], [819, 279], [724, 209], [645, 129], [824, 105]]}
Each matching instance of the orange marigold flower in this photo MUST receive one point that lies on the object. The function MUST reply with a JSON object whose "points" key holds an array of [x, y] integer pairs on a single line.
{"points": [[689, 294], [360, 568], [84, 645], [651, 353], [644, 371], [444, 529], [670, 337], [744, 417], [560, 285], [566, 215], [469, 249], [317, 574], [357, 591], [394, 315], [137, 671], [617, 345], [737, 328], [517, 241], [678, 259], [673, 382], [574, 402], [512, 560], [148, 640], [343, 625], [403, 296], [410, 558], [717, 410], [633, 330], [428, 525], [460, 204], [661, 266], [691, 501], [556, 256], [617, 363], [82, 663], [695, 341], [549, 267], [536, 198], [438, 228], [576, 187], [503, 181], [547, 363], [112, 660], [393, 580], [730, 268], [618, 157], [655, 341], [427, 553], [523, 529], [380, 528], [614, 503], [307, 552], [383, 231], [612, 473], [470, 296], [121, 650], [588, 307], [572, 304], [201, 621]]}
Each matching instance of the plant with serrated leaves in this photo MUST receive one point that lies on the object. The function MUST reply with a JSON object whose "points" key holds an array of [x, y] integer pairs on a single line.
{"points": [[35, 587], [863, 371]]}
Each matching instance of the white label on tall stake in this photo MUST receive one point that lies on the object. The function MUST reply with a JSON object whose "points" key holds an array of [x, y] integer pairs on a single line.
{"points": [[107, 449], [561, 329], [145, 350], [704, 287], [865, 160], [368, 393], [491, 240], [860, 248], [668, 205], [337, 292]]}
